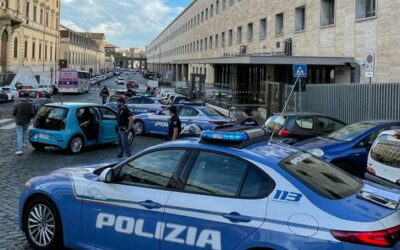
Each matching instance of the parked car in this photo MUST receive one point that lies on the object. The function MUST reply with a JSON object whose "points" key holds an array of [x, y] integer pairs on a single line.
{"points": [[51, 89], [384, 159], [132, 85], [36, 97], [121, 93], [223, 191], [12, 92], [140, 104], [180, 99], [3, 96], [298, 126], [348, 148], [73, 126], [7, 95], [202, 116]]}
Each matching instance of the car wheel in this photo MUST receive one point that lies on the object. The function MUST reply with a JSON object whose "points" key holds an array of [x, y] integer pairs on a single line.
{"points": [[139, 128], [348, 168], [75, 145], [42, 224], [38, 146]]}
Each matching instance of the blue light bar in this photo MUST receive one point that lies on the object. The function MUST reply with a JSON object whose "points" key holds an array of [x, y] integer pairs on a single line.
{"points": [[224, 136]]}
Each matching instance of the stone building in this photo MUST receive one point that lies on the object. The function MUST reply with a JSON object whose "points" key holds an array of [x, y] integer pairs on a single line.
{"points": [[29, 37], [243, 43], [100, 40], [80, 52]]}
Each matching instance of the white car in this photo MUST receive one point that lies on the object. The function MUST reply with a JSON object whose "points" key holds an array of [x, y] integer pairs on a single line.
{"points": [[11, 92], [384, 159], [47, 88]]}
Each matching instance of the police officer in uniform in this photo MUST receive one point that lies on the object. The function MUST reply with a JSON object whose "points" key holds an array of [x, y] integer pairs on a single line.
{"points": [[248, 121], [124, 127], [104, 94], [174, 124]]}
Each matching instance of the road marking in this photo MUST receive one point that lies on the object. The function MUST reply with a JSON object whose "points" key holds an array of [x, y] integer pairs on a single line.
{"points": [[5, 120], [11, 126]]}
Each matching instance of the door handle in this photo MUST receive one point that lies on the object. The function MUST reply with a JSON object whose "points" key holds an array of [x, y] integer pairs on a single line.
{"points": [[150, 204], [236, 217]]}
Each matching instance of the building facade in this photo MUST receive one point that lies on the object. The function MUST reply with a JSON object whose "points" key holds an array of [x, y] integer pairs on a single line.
{"points": [[78, 51], [100, 40], [247, 42], [30, 37]]}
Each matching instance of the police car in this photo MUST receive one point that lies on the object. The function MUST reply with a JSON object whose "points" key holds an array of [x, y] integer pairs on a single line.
{"points": [[189, 113], [140, 104], [225, 190]]}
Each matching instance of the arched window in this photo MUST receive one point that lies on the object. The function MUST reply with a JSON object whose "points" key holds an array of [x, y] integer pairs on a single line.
{"points": [[16, 47]]}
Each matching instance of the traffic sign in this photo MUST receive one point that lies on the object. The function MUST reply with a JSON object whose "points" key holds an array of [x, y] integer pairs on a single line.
{"points": [[370, 65], [300, 70]]}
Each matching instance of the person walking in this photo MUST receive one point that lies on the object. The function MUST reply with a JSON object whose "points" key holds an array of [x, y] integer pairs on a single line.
{"points": [[174, 124], [104, 94], [248, 121], [124, 127], [23, 113]]}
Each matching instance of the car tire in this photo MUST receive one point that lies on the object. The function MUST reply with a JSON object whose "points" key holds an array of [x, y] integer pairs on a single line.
{"points": [[139, 128], [38, 146], [347, 167], [33, 221], [76, 145]]}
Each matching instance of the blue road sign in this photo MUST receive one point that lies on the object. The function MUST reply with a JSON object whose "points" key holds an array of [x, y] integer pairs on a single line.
{"points": [[300, 70]]}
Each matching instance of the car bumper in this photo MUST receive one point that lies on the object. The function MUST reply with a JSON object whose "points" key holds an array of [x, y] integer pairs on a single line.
{"points": [[381, 181], [58, 139]]}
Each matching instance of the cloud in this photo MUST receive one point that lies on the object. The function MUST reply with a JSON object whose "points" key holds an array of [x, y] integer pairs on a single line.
{"points": [[126, 23]]}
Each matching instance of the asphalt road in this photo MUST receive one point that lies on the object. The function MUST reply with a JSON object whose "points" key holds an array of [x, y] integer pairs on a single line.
{"points": [[16, 170]]}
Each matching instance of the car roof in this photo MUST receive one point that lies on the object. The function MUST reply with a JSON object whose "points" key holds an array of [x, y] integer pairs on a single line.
{"points": [[72, 105]]}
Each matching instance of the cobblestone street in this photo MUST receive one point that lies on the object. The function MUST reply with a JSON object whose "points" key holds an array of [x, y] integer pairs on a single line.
{"points": [[16, 170]]}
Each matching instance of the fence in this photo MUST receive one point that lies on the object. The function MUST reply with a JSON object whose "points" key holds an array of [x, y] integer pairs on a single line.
{"points": [[349, 102]]}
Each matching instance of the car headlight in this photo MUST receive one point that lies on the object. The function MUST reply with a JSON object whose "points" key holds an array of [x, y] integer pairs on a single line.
{"points": [[316, 152]]}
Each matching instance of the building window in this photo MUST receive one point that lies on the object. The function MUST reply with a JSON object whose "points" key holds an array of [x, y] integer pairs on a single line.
{"points": [[198, 19], [279, 24], [51, 53], [211, 11], [365, 8], [239, 35], [250, 32], [263, 28], [327, 12], [34, 13], [216, 41], [217, 6], [15, 47], [211, 42], [202, 16], [26, 50], [33, 50], [300, 18], [201, 45], [223, 39], [206, 14], [27, 11], [40, 51], [41, 16], [230, 37], [47, 19], [223, 5], [45, 52]]}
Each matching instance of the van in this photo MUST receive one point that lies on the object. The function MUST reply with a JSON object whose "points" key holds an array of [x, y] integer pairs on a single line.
{"points": [[384, 159]]}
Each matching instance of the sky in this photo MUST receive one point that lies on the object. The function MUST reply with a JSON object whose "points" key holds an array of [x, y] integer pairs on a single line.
{"points": [[126, 23]]}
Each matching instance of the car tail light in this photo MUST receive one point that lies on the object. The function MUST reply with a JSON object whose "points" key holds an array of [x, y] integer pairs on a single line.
{"points": [[371, 171], [283, 133], [37, 95], [383, 238]]}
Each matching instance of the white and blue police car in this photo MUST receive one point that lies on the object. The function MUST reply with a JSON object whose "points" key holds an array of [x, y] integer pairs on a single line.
{"points": [[225, 190], [140, 104], [203, 116]]}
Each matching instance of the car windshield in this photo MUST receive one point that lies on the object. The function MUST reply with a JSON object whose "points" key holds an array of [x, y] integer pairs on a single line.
{"points": [[51, 118], [387, 151], [275, 122], [351, 132], [324, 178], [211, 112]]}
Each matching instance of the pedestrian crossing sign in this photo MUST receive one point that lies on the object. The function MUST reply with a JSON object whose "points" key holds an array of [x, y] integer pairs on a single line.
{"points": [[300, 70]]}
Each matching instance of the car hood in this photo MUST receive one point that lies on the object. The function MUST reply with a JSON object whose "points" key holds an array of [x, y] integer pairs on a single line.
{"points": [[89, 167], [324, 143]]}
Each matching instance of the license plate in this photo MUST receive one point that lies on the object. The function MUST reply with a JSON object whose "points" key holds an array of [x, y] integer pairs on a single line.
{"points": [[44, 136]]}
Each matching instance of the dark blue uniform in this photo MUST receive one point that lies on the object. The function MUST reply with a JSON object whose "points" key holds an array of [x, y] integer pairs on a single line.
{"points": [[249, 122], [174, 122]]}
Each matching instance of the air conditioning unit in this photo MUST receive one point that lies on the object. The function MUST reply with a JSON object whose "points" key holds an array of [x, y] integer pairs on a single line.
{"points": [[242, 49]]}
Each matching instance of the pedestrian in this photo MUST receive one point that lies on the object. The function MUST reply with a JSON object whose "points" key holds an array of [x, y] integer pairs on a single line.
{"points": [[174, 124], [148, 90], [248, 121], [124, 127], [23, 113], [104, 94]]}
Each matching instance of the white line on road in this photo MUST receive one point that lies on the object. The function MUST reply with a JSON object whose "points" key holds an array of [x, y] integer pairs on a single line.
{"points": [[11, 126], [5, 120]]}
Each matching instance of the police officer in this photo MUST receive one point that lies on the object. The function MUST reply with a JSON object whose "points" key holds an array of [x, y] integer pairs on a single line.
{"points": [[124, 127], [174, 124], [248, 121], [104, 94]]}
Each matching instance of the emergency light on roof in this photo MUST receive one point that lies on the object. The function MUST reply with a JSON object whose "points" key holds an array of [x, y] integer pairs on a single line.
{"points": [[224, 136]]}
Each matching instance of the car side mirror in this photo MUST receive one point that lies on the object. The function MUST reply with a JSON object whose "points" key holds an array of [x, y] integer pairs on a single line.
{"points": [[107, 175]]}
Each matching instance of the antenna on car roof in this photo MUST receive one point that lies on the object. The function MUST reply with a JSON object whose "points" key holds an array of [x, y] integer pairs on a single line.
{"points": [[286, 104]]}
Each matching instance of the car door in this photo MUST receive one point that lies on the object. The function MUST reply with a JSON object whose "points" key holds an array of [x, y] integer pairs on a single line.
{"points": [[127, 213], [187, 115], [158, 122], [108, 122], [222, 200]]}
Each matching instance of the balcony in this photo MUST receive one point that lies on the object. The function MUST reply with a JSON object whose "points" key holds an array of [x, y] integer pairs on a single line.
{"points": [[11, 16]]}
